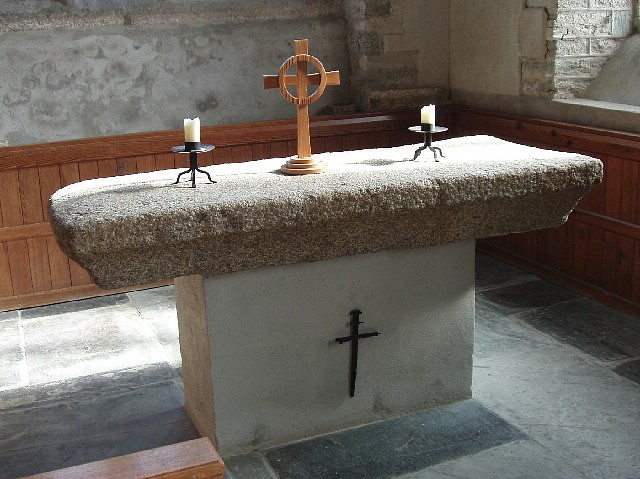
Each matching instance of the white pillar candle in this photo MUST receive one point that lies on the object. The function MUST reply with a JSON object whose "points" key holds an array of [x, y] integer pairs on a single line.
{"points": [[428, 114], [192, 130]]}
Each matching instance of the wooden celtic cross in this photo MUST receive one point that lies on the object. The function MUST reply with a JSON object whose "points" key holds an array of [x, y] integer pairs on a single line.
{"points": [[304, 163]]}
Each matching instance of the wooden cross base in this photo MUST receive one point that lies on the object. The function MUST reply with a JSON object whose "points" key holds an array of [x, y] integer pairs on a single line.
{"points": [[304, 163], [303, 166]]}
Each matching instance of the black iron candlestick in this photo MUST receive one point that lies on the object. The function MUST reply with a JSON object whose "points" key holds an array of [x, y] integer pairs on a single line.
{"points": [[427, 129], [193, 148]]}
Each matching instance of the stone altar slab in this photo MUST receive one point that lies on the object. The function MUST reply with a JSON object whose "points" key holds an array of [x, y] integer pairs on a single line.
{"points": [[268, 267], [138, 229]]}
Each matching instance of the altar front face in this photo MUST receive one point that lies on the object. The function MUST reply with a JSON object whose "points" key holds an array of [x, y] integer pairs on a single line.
{"points": [[260, 358], [269, 269]]}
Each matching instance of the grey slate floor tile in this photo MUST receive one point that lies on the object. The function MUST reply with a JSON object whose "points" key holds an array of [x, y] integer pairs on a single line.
{"points": [[553, 386], [87, 342], [524, 296], [61, 454], [519, 459], [630, 370], [396, 446], [87, 387], [596, 329], [75, 306], [492, 274], [157, 307], [12, 361], [92, 424], [249, 466]]}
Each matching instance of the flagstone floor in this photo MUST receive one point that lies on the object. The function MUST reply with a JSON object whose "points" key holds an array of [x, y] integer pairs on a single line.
{"points": [[556, 393]]}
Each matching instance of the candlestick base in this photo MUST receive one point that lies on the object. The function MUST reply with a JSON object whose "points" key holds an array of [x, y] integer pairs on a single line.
{"points": [[428, 130], [303, 166], [193, 149], [191, 146]]}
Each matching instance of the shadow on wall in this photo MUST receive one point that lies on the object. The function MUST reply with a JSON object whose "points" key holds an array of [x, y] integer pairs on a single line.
{"points": [[118, 79], [619, 79]]}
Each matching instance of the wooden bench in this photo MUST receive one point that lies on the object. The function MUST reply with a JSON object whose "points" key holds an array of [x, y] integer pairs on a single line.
{"points": [[195, 459]]}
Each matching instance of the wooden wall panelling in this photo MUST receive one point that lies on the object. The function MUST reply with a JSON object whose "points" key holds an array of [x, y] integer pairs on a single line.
{"points": [[635, 282], [552, 134], [88, 170], [352, 142], [10, 198], [31, 204], [261, 151], [220, 155], [629, 188], [206, 159], [18, 253], [39, 264], [6, 286], [241, 153], [601, 236], [145, 163], [69, 174], [608, 259], [318, 144], [49, 183], [334, 143], [623, 266], [107, 167], [79, 275], [566, 238], [165, 161], [292, 148], [33, 269], [595, 200], [613, 186], [279, 149], [593, 264], [127, 166], [59, 266]]}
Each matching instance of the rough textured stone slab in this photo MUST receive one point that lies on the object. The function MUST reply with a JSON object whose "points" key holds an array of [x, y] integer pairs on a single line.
{"points": [[138, 229]]}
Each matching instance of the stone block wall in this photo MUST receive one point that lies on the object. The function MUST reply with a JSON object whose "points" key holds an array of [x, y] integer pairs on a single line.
{"points": [[581, 35], [87, 68], [399, 52]]}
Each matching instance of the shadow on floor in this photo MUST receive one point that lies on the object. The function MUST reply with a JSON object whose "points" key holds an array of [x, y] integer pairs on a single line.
{"points": [[555, 392]]}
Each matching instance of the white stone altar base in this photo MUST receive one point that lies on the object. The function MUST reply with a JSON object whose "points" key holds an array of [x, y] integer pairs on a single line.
{"points": [[269, 266], [265, 368]]}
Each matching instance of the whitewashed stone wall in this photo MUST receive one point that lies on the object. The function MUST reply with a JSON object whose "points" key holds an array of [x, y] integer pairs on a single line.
{"points": [[581, 36], [90, 68], [399, 52]]}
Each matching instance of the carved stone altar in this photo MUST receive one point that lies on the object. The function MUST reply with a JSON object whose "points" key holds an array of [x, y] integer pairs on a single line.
{"points": [[269, 266]]}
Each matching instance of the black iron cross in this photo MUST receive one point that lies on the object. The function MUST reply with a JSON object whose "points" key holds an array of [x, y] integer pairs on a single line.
{"points": [[355, 323]]}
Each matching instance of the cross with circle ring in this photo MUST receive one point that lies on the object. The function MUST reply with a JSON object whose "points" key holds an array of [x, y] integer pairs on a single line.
{"points": [[301, 80]]}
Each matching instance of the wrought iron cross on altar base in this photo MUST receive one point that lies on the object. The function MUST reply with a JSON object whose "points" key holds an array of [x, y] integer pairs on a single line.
{"points": [[304, 163]]}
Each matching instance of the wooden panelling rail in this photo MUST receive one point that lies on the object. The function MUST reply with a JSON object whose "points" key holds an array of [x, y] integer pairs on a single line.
{"points": [[597, 252], [34, 271], [195, 459], [351, 129]]}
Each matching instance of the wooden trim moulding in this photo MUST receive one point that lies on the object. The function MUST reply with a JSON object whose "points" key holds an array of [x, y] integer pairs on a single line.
{"points": [[23, 232], [124, 146], [560, 278], [556, 134], [72, 293], [195, 459], [607, 223]]}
